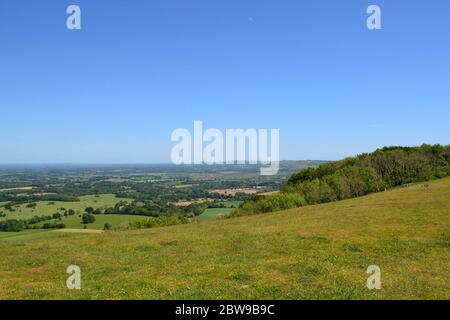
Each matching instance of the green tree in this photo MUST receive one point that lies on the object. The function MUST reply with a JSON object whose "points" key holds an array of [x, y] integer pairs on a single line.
{"points": [[88, 218], [89, 210]]}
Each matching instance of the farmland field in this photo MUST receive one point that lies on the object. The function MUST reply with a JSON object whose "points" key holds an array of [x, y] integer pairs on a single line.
{"points": [[214, 213], [101, 201], [38, 198], [116, 221], [315, 252]]}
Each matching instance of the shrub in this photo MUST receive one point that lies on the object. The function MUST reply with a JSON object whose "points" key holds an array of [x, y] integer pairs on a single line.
{"points": [[274, 202], [162, 221], [88, 218]]}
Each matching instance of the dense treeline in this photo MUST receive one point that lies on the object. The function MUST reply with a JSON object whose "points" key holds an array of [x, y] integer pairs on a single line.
{"points": [[357, 176], [275, 202], [12, 225], [162, 193], [154, 222], [20, 199], [367, 173], [156, 209], [15, 225], [51, 222]]}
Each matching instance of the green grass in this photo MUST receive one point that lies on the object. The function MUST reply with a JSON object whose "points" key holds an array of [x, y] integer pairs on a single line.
{"points": [[315, 252], [75, 222], [44, 208], [215, 213], [28, 235]]}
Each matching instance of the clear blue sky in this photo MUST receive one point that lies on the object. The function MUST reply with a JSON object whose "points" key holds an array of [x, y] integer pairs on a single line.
{"points": [[114, 91]]}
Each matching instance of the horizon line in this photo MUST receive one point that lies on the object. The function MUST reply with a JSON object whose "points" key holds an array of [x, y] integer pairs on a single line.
{"points": [[137, 163]]}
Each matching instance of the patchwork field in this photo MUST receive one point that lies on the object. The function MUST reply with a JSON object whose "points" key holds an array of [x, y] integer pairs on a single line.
{"points": [[215, 213], [48, 208], [100, 201], [74, 222], [315, 252]]}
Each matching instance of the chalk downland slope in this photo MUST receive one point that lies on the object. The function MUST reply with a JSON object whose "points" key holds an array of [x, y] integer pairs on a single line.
{"points": [[315, 252]]}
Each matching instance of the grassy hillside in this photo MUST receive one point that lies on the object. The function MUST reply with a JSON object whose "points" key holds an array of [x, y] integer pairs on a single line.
{"points": [[314, 252]]}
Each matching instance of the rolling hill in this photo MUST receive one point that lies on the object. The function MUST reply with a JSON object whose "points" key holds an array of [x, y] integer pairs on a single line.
{"points": [[314, 252]]}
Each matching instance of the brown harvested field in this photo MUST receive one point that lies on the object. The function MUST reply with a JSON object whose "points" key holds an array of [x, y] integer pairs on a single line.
{"points": [[268, 193], [233, 192], [187, 203]]}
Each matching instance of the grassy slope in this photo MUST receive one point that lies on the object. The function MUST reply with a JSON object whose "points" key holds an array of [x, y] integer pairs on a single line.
{"points": [[314, 252], [28, 235]]}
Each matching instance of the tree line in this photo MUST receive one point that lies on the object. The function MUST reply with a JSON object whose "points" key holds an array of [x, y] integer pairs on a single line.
{"points": [[14, 200], [356, 176], [155, 208], [153, 222], [51, 222]]}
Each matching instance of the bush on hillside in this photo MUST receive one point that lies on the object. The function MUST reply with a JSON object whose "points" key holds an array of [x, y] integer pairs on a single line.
{"points": [[162, 221], [274, 202]]}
